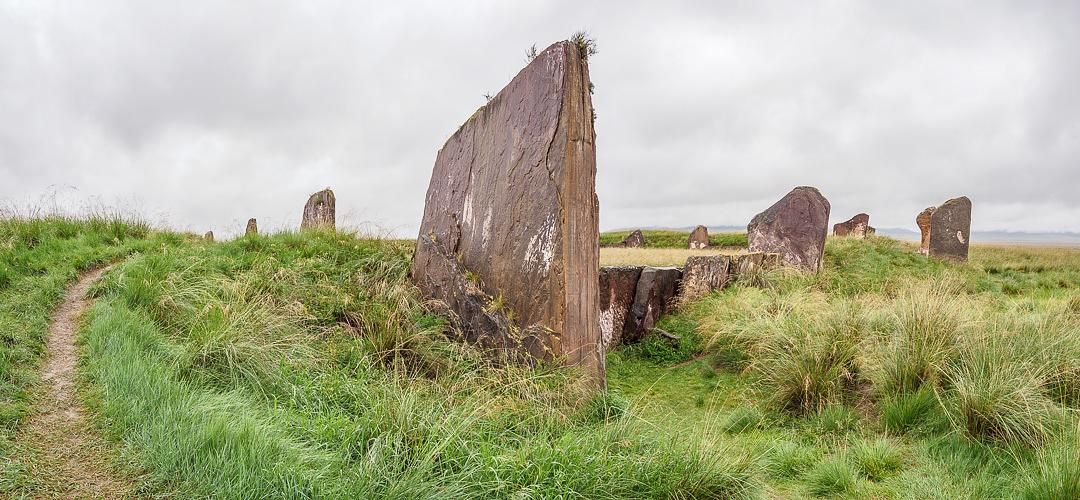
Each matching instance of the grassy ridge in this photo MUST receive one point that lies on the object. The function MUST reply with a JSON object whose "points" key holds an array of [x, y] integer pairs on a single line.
{"points": [[674, 239], [39, 258], [967, 376], [303, 365]]}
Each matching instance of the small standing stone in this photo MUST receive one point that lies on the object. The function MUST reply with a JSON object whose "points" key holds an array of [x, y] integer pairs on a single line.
{"points": [[855, 227], [950, 230], [319, 211], [252, 228], [657, 290], [795, 227], [209, 236], [923, 220], [634, 240], [699, 238]]}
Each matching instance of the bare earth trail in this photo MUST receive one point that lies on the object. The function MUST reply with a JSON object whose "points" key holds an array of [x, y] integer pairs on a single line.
{"points": [[73, 458]]}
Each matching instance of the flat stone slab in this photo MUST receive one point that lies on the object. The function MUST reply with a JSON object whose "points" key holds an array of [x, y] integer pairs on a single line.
{"points": [[950, 230], [512, 199], [703, 274], [795, 227], [618, 288], [657, 291]]}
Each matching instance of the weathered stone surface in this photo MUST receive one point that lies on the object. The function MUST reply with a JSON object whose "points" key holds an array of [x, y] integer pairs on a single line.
{"points": [[634, 240], [618, 288], [699, 238], [795, 227], [924, 220], [209, 236], [855, 227], [319, 211], [657, 290], [950, 230], [252, 228], [512, 201], [703, 274]]}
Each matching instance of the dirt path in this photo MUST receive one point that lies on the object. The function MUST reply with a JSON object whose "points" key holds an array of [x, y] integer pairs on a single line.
{"points": [[74, 458]]}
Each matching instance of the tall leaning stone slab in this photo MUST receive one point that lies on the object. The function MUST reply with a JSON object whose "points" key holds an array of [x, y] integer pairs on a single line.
{"points": [[794, 227], [320, 211], [512, 205], [950, 230]]}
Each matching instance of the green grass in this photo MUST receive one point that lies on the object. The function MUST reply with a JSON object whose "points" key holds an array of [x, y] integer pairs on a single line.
{"points": [[674, 239], [304, 365], [39, 258], [887, 375]]}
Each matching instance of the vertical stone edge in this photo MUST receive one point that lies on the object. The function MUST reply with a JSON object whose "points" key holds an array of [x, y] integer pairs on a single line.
{"points": [[580, 341]]}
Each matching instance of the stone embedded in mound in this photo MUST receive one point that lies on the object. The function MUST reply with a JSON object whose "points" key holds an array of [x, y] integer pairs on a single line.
{"points": [[319, 211], [703, 274], [512, 201], [252, 228], [855, 227], [618, 288], [657, 290], [923, 220], [209, 236], [950, 230], [699, 238], [795, 227], [634, 240]]}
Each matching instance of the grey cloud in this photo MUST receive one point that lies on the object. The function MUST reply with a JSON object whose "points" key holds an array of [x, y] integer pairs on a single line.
{"points": [[209, 113]]}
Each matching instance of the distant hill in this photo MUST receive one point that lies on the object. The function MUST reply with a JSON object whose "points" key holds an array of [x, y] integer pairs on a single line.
{"points": [[1018, 237]]}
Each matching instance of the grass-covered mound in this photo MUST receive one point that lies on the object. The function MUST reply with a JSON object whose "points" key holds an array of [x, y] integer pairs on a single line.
{"points": [[674, 239], [39, 258], [303, 365], [887, 375]]}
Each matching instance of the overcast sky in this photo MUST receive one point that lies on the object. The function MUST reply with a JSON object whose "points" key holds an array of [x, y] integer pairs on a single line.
{"points": [[202, 114]]}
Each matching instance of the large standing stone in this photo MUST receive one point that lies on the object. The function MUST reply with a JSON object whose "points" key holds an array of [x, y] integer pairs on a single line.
{"points": [[319, 211], [950, 230], [657, 290], [618, 287], [855, 227], [512, 202], [795, 227], [699, 238], [703, 274], [924, 220], [252, 228], [634, 240]]}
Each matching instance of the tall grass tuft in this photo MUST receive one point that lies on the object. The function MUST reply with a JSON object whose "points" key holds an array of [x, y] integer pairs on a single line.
{"points": [[809, 363]]}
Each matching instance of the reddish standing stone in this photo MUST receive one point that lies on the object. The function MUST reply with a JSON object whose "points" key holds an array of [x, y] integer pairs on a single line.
{"points": [[795, 227], [924, 220], [950, 230], [699, 238], [618, 287], [657, 290], [319, 211], [634, 240], [512, 200], [252, 228], [855, 227]]}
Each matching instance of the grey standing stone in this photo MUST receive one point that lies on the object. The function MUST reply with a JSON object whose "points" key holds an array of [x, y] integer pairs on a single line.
{"points": [[512, 201], [950, 230], [699, 238], [320, 211], [795, 227]]}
